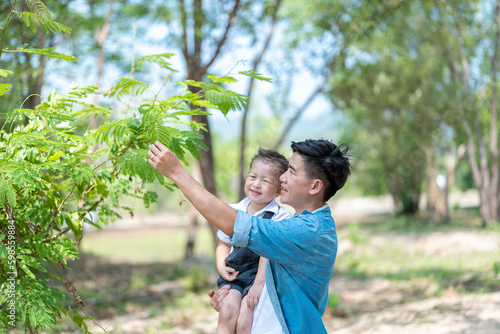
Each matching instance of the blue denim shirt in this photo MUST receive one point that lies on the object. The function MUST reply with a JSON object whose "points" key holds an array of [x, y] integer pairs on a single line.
{"points": [[301, 253]]}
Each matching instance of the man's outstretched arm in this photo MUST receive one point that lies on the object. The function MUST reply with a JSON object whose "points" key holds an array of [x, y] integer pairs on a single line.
{"points": [[213, 209]]}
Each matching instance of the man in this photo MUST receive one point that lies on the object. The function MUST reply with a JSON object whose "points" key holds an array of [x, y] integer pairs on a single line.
{"points": [[301, 250]]}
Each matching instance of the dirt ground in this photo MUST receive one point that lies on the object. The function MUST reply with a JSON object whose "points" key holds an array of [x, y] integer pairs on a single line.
{"points": [[373, 306]]}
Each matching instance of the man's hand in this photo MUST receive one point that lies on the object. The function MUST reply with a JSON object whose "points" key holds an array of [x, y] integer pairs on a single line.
{"points": [[218, 296], [164, 160]]}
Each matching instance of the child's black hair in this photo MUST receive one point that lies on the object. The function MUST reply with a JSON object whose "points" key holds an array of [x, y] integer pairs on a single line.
{"points": [[276, 159]]}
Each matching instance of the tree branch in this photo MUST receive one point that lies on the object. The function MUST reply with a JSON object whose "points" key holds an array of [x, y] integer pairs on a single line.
{"points": [[299, 111], [230, 22], [182, 8], [5, 27], [494, 116], [256, 63]]}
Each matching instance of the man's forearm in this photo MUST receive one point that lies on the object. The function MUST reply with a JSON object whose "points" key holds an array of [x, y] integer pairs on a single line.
{"points": [[213, 209]]}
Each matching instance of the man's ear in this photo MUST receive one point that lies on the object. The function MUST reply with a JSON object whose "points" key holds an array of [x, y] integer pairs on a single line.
{"points": [[316, 186]]}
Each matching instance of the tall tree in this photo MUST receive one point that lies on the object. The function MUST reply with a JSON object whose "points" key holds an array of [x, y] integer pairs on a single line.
{"points": [[203, 31], [255, 66], [469, 41], [387, 86]]}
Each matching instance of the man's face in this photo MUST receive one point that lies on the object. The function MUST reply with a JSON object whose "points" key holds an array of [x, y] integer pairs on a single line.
{"points": [[296, 184]]}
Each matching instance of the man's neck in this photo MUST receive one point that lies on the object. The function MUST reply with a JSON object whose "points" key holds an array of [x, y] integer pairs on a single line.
{"points": [[310, 208]]}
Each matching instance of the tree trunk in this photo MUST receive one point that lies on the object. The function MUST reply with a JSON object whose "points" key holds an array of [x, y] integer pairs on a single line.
{"points": [[191, 231], [196, 70], [256, 63], [437, 199]]}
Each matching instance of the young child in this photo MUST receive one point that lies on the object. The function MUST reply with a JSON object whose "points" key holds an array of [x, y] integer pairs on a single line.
{"points": [[240, 267]]}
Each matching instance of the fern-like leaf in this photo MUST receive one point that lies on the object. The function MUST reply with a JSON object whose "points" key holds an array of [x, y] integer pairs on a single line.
{"points": [[4, 73], [7, 193], [4, 88], [191, 147], [45, 23], [125, 86], [159, 59], [38, 7], [226, 100], [223, 80], [49, 52], [256, 75], [134, 163], [82, 177]]}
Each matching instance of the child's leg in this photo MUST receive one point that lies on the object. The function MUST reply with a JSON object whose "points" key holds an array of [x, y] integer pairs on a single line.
{"points": [[228, 313], [245, 319]]}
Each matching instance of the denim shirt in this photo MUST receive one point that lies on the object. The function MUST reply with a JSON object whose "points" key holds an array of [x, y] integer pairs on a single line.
{"points": [[301, 251]]}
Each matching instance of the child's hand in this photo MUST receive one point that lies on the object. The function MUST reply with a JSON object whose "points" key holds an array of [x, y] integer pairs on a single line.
{"points": [[229, 274], [253, 296]]}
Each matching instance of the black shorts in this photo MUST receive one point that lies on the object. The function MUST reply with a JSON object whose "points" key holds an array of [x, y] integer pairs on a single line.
{"points": [[246, 262]]}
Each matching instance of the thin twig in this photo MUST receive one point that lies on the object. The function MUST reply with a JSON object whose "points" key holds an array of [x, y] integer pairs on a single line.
{"points": [[5, 26]]}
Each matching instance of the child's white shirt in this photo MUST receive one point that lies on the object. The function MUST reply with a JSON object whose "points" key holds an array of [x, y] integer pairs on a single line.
{"points": [[279, 214]]}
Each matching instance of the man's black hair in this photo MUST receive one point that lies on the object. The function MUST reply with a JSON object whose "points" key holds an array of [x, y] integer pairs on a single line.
{"points": [[325, 161]]}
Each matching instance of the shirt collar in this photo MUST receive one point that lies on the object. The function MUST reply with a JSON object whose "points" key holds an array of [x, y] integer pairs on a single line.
{"points": [[324, 209], [273, 206]]}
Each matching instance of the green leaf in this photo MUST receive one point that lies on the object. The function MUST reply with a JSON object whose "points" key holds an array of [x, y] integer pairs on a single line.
{"points": [[4, 88], [78, 320], [82, 176], [223, 80], [125, 86], [226, 100], [39, 8], [75, 224], [4, 73], [55, 156], [3, 252], [7, 193], [149, 197], [28, 272], [49, 52], [46, 23], [256, 75], [191, 147], [32, 318], [159, 59]]}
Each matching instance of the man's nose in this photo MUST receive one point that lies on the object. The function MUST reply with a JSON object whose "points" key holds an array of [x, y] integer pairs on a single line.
{"points": [[283, 177]]}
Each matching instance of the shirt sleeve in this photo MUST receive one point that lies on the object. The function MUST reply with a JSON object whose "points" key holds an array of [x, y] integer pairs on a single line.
{"points": [[222, 236], [287, 241]]}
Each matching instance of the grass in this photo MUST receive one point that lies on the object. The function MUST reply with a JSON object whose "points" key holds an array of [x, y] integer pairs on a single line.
{"points": [[382, 250], [146, 246]]}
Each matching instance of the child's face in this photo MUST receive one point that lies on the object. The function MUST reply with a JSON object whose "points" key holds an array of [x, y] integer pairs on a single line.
{"points": [[262, 183]]}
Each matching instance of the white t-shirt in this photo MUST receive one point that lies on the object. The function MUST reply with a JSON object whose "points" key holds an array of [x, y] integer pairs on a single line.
{"points": [[265, 320], [279, 214]]}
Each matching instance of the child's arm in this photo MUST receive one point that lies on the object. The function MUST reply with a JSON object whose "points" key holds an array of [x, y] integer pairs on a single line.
{"points": [[221, 252], [258, 284]]}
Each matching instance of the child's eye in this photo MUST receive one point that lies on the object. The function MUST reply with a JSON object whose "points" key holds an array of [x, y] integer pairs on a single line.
{"points": [[266, 181]]}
